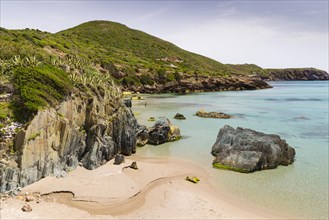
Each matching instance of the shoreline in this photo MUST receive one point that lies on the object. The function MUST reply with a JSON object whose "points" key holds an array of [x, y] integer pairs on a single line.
{"points": [[158, 186]]}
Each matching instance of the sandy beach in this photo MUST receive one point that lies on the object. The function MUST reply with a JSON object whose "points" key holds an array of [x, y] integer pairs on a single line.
{"points": [[157, 190]]}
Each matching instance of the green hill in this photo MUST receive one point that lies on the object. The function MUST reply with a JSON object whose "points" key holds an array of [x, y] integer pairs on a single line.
{"points": [[116, 48], [132, 57], [109, 42]]}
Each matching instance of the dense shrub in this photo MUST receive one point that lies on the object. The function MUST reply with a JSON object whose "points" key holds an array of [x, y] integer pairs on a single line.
{"points": [[146, 79], [177, 76], [38, 87], [161, 75], [131, 80], [170, 77]]}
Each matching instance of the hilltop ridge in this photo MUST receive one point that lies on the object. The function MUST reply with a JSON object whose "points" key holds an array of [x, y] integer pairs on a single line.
{"points": [[136, 60]]}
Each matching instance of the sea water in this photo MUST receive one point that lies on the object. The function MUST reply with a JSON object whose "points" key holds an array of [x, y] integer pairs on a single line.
{"points": [[295, 110]]}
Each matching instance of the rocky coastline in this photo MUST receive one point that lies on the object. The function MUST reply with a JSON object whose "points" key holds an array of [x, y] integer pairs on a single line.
{"points": [[201, 83], [90, 129], [295, 74], [205, 83], [86, 130]]}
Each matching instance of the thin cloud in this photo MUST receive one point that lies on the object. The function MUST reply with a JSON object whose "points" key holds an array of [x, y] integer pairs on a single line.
{"points": [[252, 41], [150, 16]]}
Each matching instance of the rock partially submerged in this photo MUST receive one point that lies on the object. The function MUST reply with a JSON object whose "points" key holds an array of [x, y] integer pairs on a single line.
{"points": [[179, 116], [204, 114], [162, 131], [246, 150]]}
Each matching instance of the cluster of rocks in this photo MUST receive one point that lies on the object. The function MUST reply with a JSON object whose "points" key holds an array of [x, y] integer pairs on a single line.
{"points": [[202, 113], [29, 198], [162, 131], [246, 150]]}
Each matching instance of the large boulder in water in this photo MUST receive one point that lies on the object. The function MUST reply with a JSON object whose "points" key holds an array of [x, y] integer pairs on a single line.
{"points": [[163, 131], [246, 150]]}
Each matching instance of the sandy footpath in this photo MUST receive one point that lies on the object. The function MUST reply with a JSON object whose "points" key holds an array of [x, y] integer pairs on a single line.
{"points": [[158, 189]]}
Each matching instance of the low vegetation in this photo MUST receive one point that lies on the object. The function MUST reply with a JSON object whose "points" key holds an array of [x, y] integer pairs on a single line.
{"points": [[36, 88], [127, 54]]}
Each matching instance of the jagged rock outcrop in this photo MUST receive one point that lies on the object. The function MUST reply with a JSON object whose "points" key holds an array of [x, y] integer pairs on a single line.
{"points": [[201, 83], [162, 131], [296, 74], [202, 113], [142, 134], [85, 129], [246, 150]]}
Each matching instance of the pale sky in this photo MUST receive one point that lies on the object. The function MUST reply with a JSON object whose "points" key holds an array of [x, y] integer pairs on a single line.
{"points": [[271, 34]]}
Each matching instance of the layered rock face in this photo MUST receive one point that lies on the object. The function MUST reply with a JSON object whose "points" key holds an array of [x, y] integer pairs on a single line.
{"points": [[246, 150], [297, 74], [85, 129]]}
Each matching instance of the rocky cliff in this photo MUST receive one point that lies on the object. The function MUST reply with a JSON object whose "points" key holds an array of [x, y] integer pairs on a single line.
{"points": [[296, 74], [201, 83], [87, 129]]}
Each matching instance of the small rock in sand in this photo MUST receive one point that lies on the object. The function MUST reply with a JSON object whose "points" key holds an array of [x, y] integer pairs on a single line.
{"points": [[134, 165], [119, 159], [26, 208], [29, 198]]}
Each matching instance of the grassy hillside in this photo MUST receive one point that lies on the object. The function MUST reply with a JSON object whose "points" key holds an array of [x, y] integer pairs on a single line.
{"points": [[108, 42], [117, 49], [102, 50]]}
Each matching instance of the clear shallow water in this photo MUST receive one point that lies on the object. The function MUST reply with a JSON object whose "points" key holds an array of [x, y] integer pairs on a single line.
{"points": [[297, 111]]}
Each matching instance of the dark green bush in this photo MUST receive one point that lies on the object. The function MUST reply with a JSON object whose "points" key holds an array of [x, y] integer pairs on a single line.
{"points": [[170, 77], [38, 87], [177, 76], [131, 80], [146, 79], [161, 75]]}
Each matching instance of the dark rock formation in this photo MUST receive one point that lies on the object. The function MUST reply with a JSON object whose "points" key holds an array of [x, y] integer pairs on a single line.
{"points": [[119, 159], [204, 114], [85, 129], [179, 116], [246, 150], [133, 165], [296, 74], [142, 135], [127, 102], [163, 131]]}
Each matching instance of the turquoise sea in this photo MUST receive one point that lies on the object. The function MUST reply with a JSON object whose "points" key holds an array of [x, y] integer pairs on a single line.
{"points": [[296, 110]]}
